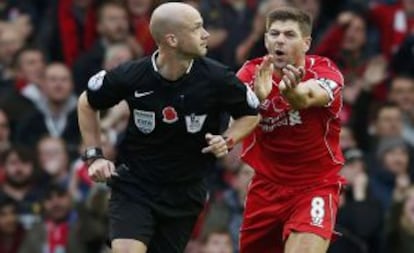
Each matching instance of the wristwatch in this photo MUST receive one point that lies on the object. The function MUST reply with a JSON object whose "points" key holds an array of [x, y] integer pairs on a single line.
{"points": [[91, 154]]}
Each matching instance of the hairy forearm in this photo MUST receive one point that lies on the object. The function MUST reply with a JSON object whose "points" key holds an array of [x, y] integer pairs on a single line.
{"points": [[306, 95], [241, 127], [88, 122]]}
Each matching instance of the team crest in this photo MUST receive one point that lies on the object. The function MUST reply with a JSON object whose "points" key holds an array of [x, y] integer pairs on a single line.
{"points": [[144, 120], [169, 115], [194, 123]]}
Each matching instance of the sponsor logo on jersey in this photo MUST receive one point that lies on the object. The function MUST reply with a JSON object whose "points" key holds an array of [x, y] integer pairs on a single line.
{"points": [[194, 123], [96, 81], [169, 115], [289, 118], [144, 120]]}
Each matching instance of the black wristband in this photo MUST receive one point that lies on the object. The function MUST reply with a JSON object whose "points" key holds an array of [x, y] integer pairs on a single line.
{"points": [[92, 153]]}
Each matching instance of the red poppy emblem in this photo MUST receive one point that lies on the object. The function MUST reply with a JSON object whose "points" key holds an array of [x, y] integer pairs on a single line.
{"points": [[170, 115]]}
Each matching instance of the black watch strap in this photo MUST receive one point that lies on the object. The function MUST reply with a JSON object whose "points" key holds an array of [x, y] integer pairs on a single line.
{"points": [[92, 153]]}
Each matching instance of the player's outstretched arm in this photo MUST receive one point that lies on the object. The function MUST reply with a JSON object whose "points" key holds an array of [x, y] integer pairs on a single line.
{"points": [[219, 145], [99, 169], [309, 93]]}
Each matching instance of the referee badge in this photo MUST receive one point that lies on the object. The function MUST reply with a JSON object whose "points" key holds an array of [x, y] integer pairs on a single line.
{"points": [[194, 123], [144, 120], [96, 81]]}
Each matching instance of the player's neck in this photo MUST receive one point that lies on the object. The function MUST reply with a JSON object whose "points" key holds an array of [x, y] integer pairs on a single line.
{"points": [[171, 67]]}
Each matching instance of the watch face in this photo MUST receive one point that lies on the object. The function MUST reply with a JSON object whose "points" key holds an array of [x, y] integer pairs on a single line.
{"points": [[91, 152]]}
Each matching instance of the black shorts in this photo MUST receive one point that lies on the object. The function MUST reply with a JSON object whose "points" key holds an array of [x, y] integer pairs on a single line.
{"points": [[163, 221]]}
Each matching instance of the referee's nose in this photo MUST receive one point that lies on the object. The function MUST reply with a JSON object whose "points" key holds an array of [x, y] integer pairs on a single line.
{"points": [[205, 34]]}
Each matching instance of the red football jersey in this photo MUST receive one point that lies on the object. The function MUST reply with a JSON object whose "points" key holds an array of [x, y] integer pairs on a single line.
{"points": [[296, 147]]}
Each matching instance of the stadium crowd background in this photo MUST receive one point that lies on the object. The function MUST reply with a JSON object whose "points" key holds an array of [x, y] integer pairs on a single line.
{"points": [[50, 48]]}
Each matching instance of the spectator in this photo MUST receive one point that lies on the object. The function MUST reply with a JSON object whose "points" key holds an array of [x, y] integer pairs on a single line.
{"points": [[25, 95], [345, 42], [347, 138], [360, 217], [53, 160], [395, 22], [69, 29], [93, 219], [140, 11], [387, 122], [400, 222], [227, 210], [217, 241], [393, 165], [402, 93], [11, 232], [57, 115], [253, 45], [11, 41], [113, 28], [59, 231], [229, 23], [20, 185]]}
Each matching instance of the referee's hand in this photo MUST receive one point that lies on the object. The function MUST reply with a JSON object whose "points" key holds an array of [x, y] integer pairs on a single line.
{"points": [[217, 145], [101, 170]]}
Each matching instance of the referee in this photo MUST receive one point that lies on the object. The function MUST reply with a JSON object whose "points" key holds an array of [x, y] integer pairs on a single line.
{"points": [[176, 98]]}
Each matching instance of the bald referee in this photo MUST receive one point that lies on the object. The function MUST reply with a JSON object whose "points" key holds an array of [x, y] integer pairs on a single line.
{"points": [[176, 98]]}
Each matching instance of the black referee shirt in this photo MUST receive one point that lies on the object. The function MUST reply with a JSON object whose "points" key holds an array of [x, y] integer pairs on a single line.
{"points": [[169, 119]]}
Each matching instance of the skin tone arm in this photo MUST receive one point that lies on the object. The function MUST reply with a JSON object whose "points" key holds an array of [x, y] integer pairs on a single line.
{"points": [[310, 93], [240, 128], [101, 169]]}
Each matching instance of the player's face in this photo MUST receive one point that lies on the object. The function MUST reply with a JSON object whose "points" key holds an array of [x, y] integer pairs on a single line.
{"points": [[285, 41], [192, 37]]}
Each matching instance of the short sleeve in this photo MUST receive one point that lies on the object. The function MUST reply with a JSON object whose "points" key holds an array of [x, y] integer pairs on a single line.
{"points": [[106, 89], [238, 99], [245, 75], [330, 79]]}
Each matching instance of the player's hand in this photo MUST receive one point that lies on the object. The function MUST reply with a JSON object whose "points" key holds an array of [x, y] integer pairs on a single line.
{"points": [[101, 170], [216, 145], [263, 80], [292, 76]]}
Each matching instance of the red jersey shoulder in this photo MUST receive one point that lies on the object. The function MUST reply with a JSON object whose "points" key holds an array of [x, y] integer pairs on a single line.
{"points": [[246, 72], [324, 68]]}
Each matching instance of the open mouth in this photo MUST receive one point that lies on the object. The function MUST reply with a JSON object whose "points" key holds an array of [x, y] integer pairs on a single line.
{"points": [[279, 52]]}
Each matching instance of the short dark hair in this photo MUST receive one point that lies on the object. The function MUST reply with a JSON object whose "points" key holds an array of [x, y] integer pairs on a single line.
{"points": [[386, 105], [16, 62], [24, 154], [290, 13]]}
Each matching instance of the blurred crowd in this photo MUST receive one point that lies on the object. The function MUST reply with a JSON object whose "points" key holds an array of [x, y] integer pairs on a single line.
{"points": [[50, 48]]}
